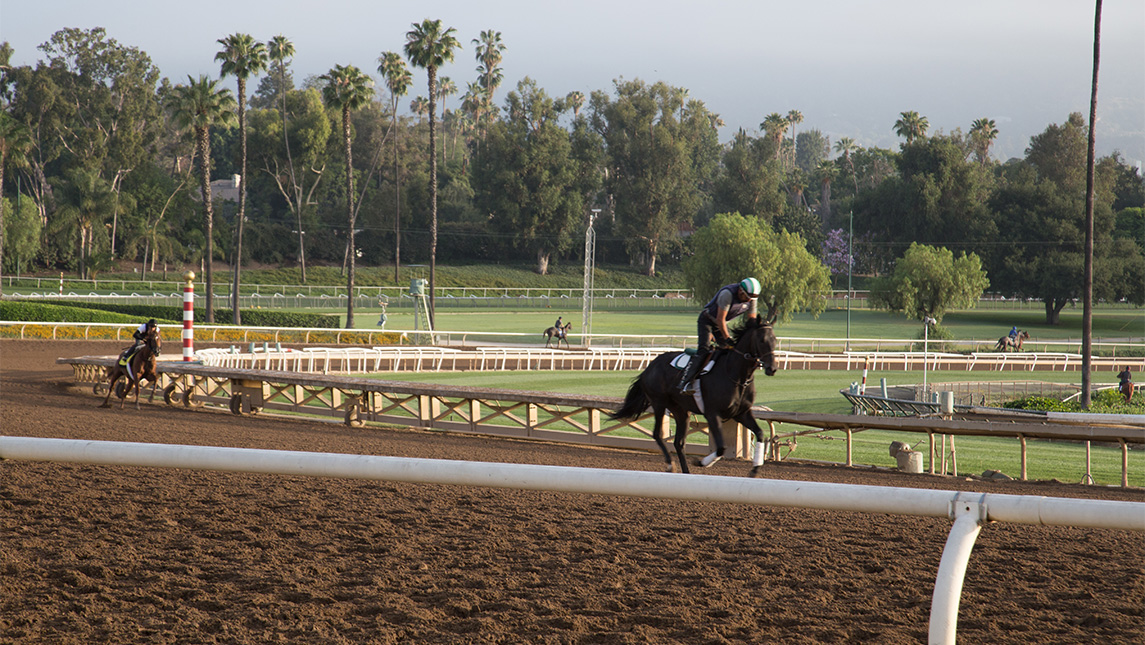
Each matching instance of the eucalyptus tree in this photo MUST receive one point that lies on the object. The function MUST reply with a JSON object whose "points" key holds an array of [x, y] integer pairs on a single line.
{"points": [[199, 105], [15, 141], [242, 57], [347, 89], [430, 45], [113, 117], [749, 182], [661, 152], [280, 50], [911, 126], [398, 80], [526, 176], [982, 135]]}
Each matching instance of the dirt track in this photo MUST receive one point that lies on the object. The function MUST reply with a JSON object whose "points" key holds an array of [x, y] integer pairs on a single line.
{"points": [[111, 554]]}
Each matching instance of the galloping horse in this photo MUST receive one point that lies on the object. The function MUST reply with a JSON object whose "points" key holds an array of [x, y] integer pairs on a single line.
{"points": [[140, 365], [1006, 343], [559, 333], [727, 391]]}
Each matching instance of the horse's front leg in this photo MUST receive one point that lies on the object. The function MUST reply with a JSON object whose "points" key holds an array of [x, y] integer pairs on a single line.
{"points": [[110, 389], [715, 433], [681, 438], [761, 445]]}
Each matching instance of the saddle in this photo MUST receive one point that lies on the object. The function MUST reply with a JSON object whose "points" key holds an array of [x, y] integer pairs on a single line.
{"points": [[681, 362], [125, 357]]}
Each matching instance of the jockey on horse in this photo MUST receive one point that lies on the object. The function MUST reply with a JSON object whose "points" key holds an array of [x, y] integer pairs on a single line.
{"points": [[140, 336], [730, 302]]}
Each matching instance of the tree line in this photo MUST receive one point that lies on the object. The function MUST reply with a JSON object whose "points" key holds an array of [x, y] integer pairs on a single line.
{"points": [[107, 160]]}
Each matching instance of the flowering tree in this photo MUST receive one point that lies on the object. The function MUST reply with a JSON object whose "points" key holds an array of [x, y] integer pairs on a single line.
{"points": [[835, 254]]}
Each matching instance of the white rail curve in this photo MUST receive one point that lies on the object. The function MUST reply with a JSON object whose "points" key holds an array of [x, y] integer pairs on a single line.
{"points": [[968, 510]]}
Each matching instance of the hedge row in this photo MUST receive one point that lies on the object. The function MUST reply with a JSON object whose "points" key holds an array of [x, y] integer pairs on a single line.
{"points": [[44, 312], [133, 313], [1104, 401]]}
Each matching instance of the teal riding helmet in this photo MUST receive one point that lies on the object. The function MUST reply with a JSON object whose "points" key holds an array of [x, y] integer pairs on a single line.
{"points": [[751, 286]]}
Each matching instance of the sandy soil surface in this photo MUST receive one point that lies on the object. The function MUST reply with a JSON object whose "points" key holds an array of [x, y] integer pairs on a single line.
{"points": [[133, 555]]}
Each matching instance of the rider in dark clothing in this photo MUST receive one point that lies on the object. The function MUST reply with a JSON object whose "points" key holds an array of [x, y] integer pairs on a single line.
{"points": [[731, 301], [140, 336], [1125, 384]]}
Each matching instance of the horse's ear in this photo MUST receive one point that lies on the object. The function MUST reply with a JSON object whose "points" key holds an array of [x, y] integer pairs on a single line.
{"points": [[772, 313]]}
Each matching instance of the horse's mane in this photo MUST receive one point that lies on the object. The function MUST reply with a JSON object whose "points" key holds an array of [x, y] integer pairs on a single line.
{"points": [[751, 324]]}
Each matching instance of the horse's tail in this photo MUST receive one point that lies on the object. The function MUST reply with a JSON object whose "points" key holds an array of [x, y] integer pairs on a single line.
{"points": [[635, 403]]}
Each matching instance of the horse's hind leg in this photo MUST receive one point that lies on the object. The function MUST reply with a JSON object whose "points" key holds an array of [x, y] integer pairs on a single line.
{"points": [[658, 435], [718, 436]]}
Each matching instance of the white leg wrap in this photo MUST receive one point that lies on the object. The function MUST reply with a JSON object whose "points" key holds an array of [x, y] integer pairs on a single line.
{"points": [[760, 452], [709, 460]]}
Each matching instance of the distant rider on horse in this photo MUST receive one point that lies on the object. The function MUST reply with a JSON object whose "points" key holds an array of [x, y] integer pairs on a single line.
{"points": [[1125, 385], [731, 301], [140, 336]]}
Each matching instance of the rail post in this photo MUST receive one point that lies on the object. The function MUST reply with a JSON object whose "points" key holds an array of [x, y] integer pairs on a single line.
{"points": [[189, 317]]}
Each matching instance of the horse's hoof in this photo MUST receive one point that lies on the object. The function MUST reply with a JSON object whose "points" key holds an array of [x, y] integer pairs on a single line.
{"points": [[756, 471], [105, 405]]}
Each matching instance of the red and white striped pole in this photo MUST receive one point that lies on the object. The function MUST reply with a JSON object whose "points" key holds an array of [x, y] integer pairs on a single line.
{"points": [[189, 317]]}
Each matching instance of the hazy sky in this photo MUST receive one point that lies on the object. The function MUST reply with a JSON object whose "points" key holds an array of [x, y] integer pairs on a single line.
{"points": [[850, 67]]}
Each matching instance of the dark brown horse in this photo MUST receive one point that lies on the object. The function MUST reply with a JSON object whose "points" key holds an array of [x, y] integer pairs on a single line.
{"points": [[140, 365], [559, 333], [727, 392], [1007, 344]]}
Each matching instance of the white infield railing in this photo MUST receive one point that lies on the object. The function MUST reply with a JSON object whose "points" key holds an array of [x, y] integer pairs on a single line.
{"points": [[968, 510]]}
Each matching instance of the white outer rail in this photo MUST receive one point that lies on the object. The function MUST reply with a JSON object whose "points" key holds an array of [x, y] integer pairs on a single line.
{"points": [[968, 510]]}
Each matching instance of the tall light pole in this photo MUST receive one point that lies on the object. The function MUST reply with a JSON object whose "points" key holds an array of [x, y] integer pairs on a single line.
{"points": [[589, 266], [927, 321], [850, 263]]}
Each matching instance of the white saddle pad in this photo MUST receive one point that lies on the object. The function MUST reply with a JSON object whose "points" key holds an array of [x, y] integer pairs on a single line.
{"points": [[681, 362]]}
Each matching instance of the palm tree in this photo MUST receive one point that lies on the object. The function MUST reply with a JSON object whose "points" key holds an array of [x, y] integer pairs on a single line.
{"points": [[348, 89], [242, 56], [846, 146], [911, 126], [398, 80], [982, 135], [445, 88], [429, 45], [794, 117], [488, 50], [775, 126], [15, 141], [575, 100], [86, 200], [825, 172], [1087, 265], [199, 105], [419, 106], [279, 50]]}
